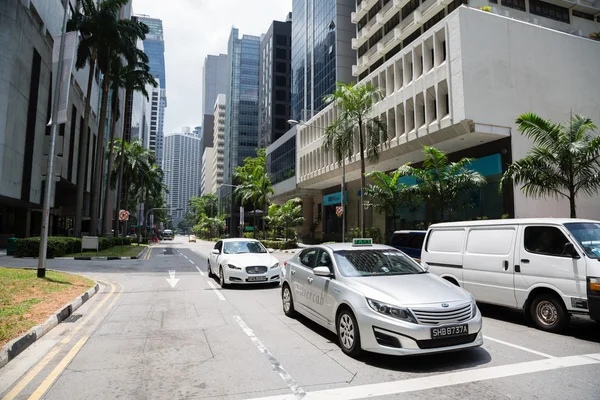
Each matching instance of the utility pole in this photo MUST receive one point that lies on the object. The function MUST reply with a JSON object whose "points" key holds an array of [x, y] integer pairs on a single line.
{"points": [[41, 272]]}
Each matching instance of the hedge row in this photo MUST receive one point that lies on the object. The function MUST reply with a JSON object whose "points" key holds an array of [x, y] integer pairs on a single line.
{"points": [[61, 246], [279, 245]]}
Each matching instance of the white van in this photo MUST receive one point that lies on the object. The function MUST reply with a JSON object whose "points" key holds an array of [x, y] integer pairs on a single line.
{"points": [[550, 268]]}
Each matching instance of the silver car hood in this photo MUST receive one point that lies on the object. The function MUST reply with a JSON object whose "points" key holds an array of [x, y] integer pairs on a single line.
{"points": [[408, 290], [249, 259]]}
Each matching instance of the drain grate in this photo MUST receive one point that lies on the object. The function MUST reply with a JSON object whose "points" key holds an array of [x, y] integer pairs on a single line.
{"points": [[72, 318]]}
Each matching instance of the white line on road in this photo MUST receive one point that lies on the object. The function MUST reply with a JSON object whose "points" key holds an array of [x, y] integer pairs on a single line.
{"points": [[443, 380], [299, 393], [191, 261], [214, 288], [199, 270], [518, 347]]}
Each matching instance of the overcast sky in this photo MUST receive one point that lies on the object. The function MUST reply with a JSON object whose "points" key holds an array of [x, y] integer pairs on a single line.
{"points": [[195, 28]]}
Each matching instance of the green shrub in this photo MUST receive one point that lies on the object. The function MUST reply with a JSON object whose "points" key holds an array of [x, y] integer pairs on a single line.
{"points": [[111, 241], [279, 245], [57, 247]]}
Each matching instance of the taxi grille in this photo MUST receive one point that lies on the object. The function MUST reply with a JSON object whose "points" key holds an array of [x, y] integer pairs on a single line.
{"points": [[436, 317], [256, 270], [446, 342]]}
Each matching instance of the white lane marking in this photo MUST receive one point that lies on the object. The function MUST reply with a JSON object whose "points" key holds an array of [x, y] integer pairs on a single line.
{"points": [[518, 347], [191, 261], [186, 257], [443, 380], [299, 393], [199, 270], [214, 288]]}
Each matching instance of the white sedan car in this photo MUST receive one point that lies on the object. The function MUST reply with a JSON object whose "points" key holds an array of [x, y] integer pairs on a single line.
{"points": [[378, 299], [243, 261]]}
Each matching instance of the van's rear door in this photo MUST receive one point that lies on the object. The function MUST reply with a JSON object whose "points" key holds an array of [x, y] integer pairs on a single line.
{"points": [[489, 264]]}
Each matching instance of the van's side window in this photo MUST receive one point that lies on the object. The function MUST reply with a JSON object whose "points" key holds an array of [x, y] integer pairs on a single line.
{"points": [[400, 240], [546, 240]]}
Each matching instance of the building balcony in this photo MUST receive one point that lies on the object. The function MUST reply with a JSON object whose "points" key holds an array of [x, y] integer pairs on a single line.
{"points": [[587, 6], [430, 8], [361, 11], [411, 23]]}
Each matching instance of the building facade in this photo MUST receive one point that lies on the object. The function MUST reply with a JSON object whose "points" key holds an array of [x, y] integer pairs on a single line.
{"points": [[214, 80], [456, 78], [218, 160], [275, 82], [207, 172], [182, 166], [154, 47]]}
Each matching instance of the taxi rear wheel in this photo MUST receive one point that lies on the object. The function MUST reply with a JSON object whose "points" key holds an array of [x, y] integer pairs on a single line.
{"points": [[348, 333], [287, 301]]}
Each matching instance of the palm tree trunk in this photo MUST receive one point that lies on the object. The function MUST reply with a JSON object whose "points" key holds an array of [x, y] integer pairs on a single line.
{"points": [[108, 210], [362, 177], [120, 178], [97, 189], [264, 222], [572, 206], [254, 222], [83, 146]]}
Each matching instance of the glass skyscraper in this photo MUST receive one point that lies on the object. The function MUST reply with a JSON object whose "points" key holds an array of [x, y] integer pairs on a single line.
{"points": [[321, 52]]}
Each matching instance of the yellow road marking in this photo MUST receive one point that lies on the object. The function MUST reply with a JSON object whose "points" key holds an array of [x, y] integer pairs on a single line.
{"points": [[39, 392], [148, 253], [48, 357]]}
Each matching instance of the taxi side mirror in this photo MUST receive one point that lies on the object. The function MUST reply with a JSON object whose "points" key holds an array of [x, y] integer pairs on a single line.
{"points": [[216, 251], [322, 271], [271, 250]]}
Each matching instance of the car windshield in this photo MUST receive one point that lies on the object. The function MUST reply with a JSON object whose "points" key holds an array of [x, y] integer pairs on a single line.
{"points": [[243, 247], [588, 236], [375, 263]]}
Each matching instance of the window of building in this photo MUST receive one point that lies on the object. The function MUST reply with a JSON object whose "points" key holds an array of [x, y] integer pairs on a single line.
{"points": [[280, 95], [363, 49], [392, 23], [433, 20], [281, 40], [546, 240], [281, 54], [516, 4], [376, 38], [410, 8], [280, 67], [583, 15], [548, 10], [280, 81], [457, 3]]}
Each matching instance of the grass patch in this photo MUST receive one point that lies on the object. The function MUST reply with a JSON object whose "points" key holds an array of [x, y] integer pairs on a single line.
{"points": [[117, 251], [26, 300]]}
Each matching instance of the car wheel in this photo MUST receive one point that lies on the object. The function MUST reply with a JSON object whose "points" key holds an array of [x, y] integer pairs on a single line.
{"points": [[210, 273], [287, 301], [548, 313], [222, 278], [348, 333]]}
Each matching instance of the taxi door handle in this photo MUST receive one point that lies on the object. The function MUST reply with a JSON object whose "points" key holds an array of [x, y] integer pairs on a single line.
{"points": [[293, 271], [310, 279]]}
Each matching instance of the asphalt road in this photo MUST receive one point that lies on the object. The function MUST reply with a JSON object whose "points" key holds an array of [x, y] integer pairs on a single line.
{"points": [[139, 338]]}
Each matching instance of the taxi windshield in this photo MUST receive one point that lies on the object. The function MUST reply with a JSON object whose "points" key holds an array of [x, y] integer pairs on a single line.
{"points": [[375, 263], [242, 247], [588, 236]]}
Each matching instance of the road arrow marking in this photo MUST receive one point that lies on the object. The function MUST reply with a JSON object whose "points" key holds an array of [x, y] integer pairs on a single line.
{"points": [[172, 281]]}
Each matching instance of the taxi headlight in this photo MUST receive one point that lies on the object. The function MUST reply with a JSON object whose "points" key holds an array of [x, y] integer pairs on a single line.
{"points": [[233, 266], [276, 265], [392, 311]]}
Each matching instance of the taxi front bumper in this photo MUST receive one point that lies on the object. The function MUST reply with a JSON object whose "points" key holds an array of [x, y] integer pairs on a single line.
{"points": [[380, 334], [236, 276]]}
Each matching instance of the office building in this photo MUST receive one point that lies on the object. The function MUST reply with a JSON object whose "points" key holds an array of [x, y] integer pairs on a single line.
{"points": [[182, 166], [207, 172], [214, 80], [154, 47], [321, 52], [241, 119], [275, 82], [456, 78], [219, 142]]}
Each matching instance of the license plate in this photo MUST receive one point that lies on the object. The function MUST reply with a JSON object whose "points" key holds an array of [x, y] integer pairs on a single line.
{"points": [[449, 331], [257, 278]]}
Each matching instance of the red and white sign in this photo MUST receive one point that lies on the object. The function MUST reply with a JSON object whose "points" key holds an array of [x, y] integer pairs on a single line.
{"points": [[123, 215], [339, 210]]}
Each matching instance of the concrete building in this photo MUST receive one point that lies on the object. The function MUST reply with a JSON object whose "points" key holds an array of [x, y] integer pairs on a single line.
{"points": [[207, 172], [214, 80], [182, 163], [219, 142], [456, 78], [275, 82], [154, 47], [27, 29]]}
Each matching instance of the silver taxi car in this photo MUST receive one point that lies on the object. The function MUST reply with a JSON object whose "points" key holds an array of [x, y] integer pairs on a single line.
{"points": [[378, 299]]}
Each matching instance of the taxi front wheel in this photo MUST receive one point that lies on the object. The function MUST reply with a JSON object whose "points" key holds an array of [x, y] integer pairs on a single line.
{"points": [[287, 301], [348, 333]]}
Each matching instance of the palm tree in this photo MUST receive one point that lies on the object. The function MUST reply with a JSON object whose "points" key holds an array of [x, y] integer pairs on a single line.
{"points": [[355, 103], [133, 78], [564, 162], [92, 21], [386, 194], [290, 215], [120, 40], [440, 181]]}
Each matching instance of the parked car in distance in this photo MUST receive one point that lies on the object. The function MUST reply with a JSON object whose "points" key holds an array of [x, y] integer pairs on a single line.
{"points": [[378, 299], [409, 242], [192, 239], [549, 268], [167, 234]]}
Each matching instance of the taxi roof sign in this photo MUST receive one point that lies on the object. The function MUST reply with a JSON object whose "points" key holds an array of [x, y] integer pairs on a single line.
{"points": [[362, 242]]}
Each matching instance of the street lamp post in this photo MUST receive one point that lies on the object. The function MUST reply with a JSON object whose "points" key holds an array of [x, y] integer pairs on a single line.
{"points": [[343, 185]]}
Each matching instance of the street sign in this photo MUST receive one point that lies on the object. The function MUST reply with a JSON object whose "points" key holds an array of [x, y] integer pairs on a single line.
{"points": [[249, 229], [123, 215], [339, 210]]}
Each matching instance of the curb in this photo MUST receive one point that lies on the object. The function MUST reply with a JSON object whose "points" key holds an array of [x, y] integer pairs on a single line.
{"points": [[111, 258], [13, 348]]}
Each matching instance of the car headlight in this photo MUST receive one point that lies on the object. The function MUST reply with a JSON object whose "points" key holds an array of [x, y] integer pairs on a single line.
{"points": [[276, 265], [233, 266], [392, 311]]}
